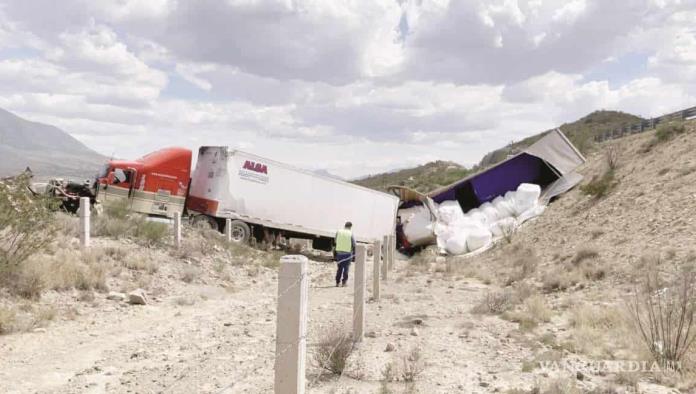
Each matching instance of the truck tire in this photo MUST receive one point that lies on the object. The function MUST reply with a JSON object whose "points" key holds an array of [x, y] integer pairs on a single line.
{"points": [[206, 222], [240, 232]]}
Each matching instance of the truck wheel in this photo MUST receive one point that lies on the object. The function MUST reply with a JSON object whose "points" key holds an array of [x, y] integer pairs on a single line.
{"points": [[240, 232], [205, 222]]}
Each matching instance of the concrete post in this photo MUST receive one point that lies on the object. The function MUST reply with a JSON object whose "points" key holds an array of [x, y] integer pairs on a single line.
{"points": [[291, 325], [376, 257], [84, 222], [359, 294], [385, 254], [392, 250], [177, 229], [228, 229]]}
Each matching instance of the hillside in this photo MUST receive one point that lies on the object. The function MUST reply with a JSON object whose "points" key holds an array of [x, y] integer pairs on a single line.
{"points": [[423, 178], [581, 133], [47, 150], [430, 176]]}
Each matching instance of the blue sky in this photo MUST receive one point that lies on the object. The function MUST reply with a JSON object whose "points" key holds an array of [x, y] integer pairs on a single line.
{"points": [[356, 87]]}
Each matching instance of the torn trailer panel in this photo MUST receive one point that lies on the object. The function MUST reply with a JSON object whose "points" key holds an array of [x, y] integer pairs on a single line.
{"points": [[548, 163]]}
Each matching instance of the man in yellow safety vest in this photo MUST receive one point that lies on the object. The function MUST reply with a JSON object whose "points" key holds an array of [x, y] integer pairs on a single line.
{"points": [[345, 253]]}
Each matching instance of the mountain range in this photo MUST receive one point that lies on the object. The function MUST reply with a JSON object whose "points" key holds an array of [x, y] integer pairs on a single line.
{"points": [[47, 150]]}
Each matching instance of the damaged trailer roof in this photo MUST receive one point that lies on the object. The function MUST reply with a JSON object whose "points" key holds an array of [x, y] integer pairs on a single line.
{"points": [[549, 163]]}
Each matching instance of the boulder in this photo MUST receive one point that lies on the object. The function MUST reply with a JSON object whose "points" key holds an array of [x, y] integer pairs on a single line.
{"points": [[137, 297]]}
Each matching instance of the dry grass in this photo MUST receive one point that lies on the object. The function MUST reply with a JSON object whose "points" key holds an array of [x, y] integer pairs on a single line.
{"points": [[584, 254], [599, 331], [533, 312], [140, 263], [412, 365], [7, 320], [189, 274], [333, 350], [495, 303], [559, 279]]}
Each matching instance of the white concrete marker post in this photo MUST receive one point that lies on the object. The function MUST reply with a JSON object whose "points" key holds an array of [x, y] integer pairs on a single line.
{"points": [[228, 229], [359, 294], [385, 253], [376, 258], [177, 229], [291, 325], [84, 222], [392, 251]]}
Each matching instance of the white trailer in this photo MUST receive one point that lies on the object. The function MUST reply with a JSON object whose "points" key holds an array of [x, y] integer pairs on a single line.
{"points": [[259, 194]]}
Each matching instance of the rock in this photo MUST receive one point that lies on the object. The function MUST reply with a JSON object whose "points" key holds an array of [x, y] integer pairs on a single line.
{"points": [[115, 296], [414, 332], [39, 330], [137, 297], [580, 376], [371, 334], [390, 347], [418, 322], [483, 384]]}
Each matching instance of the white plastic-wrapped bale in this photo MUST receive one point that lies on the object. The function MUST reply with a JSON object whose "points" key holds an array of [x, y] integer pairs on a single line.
{"points": [[491, 213], [478, 238], [504, 206], [477, 216], [417, 225], [450, 212], [456, 244], [526, 197]]}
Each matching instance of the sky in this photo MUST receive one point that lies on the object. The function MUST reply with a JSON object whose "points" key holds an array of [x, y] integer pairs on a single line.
{"points": [[355, 87]]}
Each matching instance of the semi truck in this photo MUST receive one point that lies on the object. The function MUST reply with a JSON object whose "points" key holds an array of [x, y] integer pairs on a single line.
{"points": [[262, 198]]}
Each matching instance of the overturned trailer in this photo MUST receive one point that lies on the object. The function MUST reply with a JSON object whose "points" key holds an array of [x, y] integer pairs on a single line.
{"points": [[549, 163]]}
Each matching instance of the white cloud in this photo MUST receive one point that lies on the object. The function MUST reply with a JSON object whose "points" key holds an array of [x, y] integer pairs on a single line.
{"points": [[355, 86]]}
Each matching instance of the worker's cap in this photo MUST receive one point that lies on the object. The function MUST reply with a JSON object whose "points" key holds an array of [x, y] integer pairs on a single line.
{"points": [[349, 224]]}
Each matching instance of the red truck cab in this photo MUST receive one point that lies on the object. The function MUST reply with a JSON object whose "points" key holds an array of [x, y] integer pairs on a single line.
{"points": [[155, 184]]}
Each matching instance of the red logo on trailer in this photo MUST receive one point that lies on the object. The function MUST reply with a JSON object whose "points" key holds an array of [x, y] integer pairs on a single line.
{"points": [[256, 167]]}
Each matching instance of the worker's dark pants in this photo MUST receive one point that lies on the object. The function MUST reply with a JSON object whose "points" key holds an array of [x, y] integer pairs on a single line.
{"points": [[343, 259]]}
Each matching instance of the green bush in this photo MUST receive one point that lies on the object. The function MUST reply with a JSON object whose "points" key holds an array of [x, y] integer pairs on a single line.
{"points": [[666, 132], [26, 223], [118, 221], [599, 187]]}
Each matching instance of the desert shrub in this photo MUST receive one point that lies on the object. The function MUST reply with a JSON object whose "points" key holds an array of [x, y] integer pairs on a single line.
{"points": [[523, 266], [600, 186], [666, 132], [152, 233], [189, 274], [561, 386], [140, 263], [76, 269], [7, 320], [333, 350], [559, 279], [533, 312], [26, 224], [663, 312], [584, 254], [495, 303], [412, 365]]}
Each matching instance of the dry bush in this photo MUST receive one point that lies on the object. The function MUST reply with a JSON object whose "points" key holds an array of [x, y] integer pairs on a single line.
{"points": [[412, 365], [333, 350], [584, 254], [523, 266], [7, 320], [533, 312], [600, 186], [494, 303], [598, 331], [67, 225], [663, 312], [561, 386], [189, 274], [117, 221], [559, 279], [665, 132], [81, 270], [140, 263]]}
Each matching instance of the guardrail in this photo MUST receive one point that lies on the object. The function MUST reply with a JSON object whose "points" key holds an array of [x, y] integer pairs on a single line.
{"points": [[647, 124]]}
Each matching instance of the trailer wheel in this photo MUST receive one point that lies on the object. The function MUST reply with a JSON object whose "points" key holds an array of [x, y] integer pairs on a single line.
{"points": [[240, 232]]}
